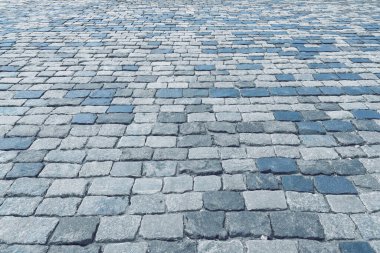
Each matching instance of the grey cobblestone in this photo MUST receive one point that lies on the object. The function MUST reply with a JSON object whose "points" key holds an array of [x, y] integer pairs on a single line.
{"points": [[189, 126]]}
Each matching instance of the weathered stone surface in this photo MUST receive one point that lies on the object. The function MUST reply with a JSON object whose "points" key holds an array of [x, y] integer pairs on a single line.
{"points": [[75, 230], [166, 226], [35, 230], [296, 225], [113, 229], [204, 224], [247, 224]]}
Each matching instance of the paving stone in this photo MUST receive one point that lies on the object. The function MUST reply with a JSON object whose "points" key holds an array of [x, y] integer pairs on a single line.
{"points": [[25, 170], [309, 246], [75, 230], [207, 183], [58, 206], [258, 181], [147, 185], [285, 246], [67, 187], [371, 201], [345, 203], [126, 247], [265, 200], [233, 246], [147, 204], [205, 224], [101, 205], [15, 143], [126, 169], [296, 225], [238, 165], [178, 184], [166, 226], [223, 200], [279, 165], [368, 225], [24, 248], [113, 229], [19, 206], [247, 223], [110, 186], [184, 202], [338, 226], [172, 247], [36, 230], [60, 170], [307, 202], [334, 185], [200, 167], [233, 182], [74, 249], [315, 167], [350, 247], [91, 169], [159, 168], [297, 183], [29, 187]]}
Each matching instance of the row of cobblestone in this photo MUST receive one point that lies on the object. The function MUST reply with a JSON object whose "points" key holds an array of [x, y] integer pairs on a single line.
{"points": [[184, 126]]}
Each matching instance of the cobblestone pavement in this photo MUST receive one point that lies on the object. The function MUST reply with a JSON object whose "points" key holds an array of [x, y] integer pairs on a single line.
{"points": [[189, 126]]}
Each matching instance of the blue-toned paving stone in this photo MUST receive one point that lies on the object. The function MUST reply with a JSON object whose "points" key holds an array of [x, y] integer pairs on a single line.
{"points": [[224, 93], [349, 76], [169, 93], [120, 108], [130, 67], [348, 167], [193, 93], [254, 92], [332, 91], [338, 126], [360, 60], [356, 247], [77, 93], [288, 116], [29, 94], [357, 90], [144, 114], [84, 118], [97, 101], [276, 165], [308, 91], [283, 91], [285, 77], [309, 127], [15, 143], [326, 77], [249, 66], [334, 185], [25, 170], [106, 93], [297, 183], [204, 67], [366, 114]]}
